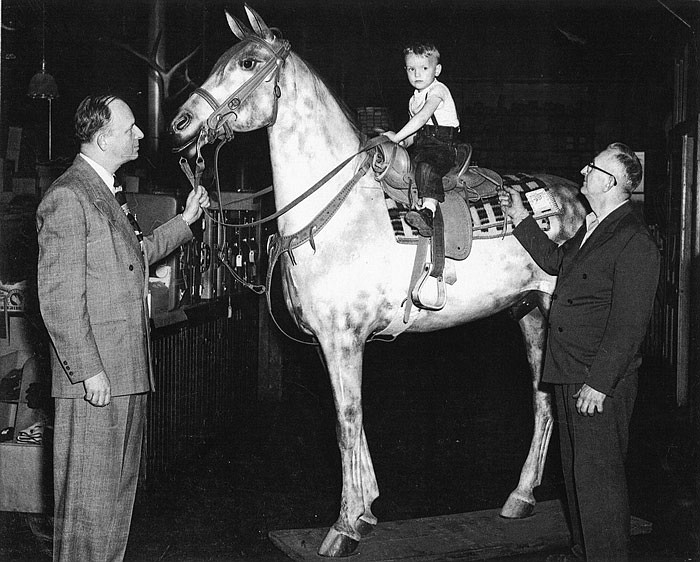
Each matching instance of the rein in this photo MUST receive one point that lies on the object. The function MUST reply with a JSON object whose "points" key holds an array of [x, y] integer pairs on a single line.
{"points": [[217, 127]]}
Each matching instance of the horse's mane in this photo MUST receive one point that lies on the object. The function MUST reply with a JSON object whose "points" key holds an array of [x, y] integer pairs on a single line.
{"points": [[319, 80]]}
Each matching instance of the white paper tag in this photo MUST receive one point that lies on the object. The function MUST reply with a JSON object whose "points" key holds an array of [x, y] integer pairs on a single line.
{"points": [[539, 201]]}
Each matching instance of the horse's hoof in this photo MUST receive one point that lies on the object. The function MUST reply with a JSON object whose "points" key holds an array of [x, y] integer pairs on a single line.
{"points": [[517, 508], [337, 545], [364, 527]]}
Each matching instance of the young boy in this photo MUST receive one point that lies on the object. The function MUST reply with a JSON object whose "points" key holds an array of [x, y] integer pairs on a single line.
{"points": [[432, 127]]}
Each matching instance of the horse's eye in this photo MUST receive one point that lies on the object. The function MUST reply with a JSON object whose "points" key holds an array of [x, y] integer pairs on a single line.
{"points": [[248, 63]]}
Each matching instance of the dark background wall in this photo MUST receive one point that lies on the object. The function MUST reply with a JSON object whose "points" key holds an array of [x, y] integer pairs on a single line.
{"points": [[540, 85]]}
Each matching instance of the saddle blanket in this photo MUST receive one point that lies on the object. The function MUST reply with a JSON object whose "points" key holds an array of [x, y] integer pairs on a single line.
{"points": [[487, 216]]}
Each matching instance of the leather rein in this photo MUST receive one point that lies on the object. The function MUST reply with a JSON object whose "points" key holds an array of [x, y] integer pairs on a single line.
{"points": [[217, 128]]}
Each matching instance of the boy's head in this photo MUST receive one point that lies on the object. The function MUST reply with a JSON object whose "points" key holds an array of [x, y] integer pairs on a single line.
{"points": [[422, 64]]}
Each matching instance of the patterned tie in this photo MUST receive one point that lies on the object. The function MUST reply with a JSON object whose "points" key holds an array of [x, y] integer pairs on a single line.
{"points": [[121, 199]]}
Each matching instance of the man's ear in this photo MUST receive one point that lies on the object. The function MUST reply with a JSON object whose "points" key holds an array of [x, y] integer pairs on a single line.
{"points": [[101, 141], [438, 69]]}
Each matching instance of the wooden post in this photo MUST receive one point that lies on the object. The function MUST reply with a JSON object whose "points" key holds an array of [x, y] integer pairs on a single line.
{"points": [[269, 357], [694, 339]]}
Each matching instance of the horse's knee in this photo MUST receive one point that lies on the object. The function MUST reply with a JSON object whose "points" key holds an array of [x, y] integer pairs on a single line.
{"points": [[349, 426], [529, 302]]}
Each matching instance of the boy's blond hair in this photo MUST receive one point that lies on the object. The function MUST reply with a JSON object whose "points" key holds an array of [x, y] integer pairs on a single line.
{"points": [[422, 49]]}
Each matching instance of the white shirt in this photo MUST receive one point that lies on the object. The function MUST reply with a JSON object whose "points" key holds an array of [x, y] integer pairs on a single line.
{"points": [[593, 220], [104, 174], [446, 112]]}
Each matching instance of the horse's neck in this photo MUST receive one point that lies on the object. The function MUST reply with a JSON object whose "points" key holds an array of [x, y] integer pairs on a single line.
{"points": [[310, 137]]}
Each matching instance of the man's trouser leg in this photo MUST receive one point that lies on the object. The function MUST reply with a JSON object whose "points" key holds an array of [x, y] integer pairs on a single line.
{"points": [[594, 449], [97, 453]]}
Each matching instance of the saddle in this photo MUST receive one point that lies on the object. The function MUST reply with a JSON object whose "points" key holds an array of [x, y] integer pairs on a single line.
{"points": [[452, 224]]}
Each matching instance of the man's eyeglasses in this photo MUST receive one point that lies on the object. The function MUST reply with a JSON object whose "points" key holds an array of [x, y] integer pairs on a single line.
{"points": [[592, 166]]}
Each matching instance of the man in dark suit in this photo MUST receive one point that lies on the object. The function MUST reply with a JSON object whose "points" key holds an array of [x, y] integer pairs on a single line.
{"points": [[607, 278], [93, 286]]}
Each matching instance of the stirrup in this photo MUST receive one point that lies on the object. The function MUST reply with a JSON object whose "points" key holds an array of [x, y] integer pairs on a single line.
{"points": [[439, 304]]}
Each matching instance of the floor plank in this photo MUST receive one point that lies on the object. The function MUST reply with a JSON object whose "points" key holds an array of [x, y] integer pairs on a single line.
{"points": [[477, 535]]}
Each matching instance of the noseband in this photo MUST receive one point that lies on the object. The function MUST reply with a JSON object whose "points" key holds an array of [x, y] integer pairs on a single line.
{"points": [[218, 120]]}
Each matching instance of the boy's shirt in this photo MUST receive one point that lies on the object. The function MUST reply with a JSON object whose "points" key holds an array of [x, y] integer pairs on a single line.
{"points": [[446, 112]]}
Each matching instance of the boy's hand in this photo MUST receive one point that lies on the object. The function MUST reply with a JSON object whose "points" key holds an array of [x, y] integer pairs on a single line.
{"points": [[391, 135]]}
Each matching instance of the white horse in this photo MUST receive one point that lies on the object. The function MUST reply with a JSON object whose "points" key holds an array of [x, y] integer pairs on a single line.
{"points": [[344, 275]]}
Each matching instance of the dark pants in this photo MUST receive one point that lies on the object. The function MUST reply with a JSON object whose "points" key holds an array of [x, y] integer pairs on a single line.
{"points": [[433, 158], [97, 452], [593, 452]]}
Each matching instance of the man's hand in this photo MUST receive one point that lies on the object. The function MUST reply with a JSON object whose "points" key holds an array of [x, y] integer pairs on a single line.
{"points": [[197, 200], [589, 400], [512, 204], [98, 390]]}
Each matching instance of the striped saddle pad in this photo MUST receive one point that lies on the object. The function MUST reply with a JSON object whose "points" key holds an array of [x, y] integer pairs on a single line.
{"points": [[485, 214]]}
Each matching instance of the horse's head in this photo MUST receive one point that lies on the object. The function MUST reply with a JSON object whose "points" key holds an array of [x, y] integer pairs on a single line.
{"points": [[242, 90]]}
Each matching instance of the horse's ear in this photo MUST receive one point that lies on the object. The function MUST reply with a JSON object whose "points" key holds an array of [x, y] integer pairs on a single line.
{"points": [[239, 29], [259, 26]]}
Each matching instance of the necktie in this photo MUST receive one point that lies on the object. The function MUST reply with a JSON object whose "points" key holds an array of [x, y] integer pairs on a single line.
{"points": [[121, 199]]}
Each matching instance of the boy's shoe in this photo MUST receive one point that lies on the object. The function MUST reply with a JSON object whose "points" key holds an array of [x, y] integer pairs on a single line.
{"points": [[422, 219]]}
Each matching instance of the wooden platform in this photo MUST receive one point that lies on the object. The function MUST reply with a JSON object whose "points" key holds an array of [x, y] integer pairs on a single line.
{"points": [[477, 535]]}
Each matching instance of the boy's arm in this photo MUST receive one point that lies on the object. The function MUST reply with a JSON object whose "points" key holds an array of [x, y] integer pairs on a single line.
{"points": [[417, 121]]}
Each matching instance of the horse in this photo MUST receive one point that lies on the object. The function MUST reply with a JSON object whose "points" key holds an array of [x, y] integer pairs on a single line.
{"points": [[344, 275]]}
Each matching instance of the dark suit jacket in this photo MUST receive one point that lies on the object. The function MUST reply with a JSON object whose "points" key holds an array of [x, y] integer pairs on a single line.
{"points": [[93, 283], [603, 298]]}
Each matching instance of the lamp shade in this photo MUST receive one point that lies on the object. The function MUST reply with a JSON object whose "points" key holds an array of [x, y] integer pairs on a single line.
{"points": [[42, 85]]}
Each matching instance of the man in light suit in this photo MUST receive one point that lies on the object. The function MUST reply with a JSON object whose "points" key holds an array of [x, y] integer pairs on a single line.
{"points": [[93, 284], [608, 274]]}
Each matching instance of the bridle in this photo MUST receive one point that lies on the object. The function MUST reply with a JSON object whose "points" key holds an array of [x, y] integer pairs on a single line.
{"points": [[218, 120], [217, 125], [217, 128]]}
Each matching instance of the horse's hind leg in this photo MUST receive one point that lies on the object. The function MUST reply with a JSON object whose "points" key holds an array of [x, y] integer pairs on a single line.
{"points": [[344, 365], [521, 501]]}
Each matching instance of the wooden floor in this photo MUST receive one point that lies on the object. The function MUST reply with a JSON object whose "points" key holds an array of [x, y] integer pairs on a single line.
{"points": [[477, 535]]}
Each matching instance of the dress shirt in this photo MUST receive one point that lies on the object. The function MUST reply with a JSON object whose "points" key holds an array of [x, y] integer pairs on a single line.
{"points": [[104, 174], [593, 220]]}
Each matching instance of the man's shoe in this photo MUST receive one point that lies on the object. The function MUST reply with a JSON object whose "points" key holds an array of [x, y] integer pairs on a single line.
{"points": [[422, 220]]}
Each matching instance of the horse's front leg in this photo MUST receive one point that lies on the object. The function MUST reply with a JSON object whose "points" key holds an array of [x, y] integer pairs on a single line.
{"points": [[344, 365], [521, 501]]}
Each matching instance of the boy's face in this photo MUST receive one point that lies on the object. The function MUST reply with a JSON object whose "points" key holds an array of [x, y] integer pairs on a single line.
{"points": [[422, 70]]}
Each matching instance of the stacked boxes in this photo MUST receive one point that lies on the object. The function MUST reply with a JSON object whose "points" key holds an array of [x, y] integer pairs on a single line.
{"points": [[371, 118]]}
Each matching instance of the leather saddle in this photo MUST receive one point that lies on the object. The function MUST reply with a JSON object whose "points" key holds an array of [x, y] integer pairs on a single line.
{"points": [[463, 184], [452, 225]]}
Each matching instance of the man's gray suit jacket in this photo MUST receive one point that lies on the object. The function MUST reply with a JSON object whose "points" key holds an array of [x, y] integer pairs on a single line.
{"points": [[93, 284]]}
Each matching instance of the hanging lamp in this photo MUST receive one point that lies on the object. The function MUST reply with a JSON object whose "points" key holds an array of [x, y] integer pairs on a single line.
{"points": [[43, 85]]}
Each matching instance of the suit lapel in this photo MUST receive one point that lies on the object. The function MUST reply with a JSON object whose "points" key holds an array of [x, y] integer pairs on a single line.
{"points": [[603, 231], [107, 205]]}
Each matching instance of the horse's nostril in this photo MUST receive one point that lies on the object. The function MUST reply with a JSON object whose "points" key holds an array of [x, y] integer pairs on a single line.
{"points": [[181, 123]]}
